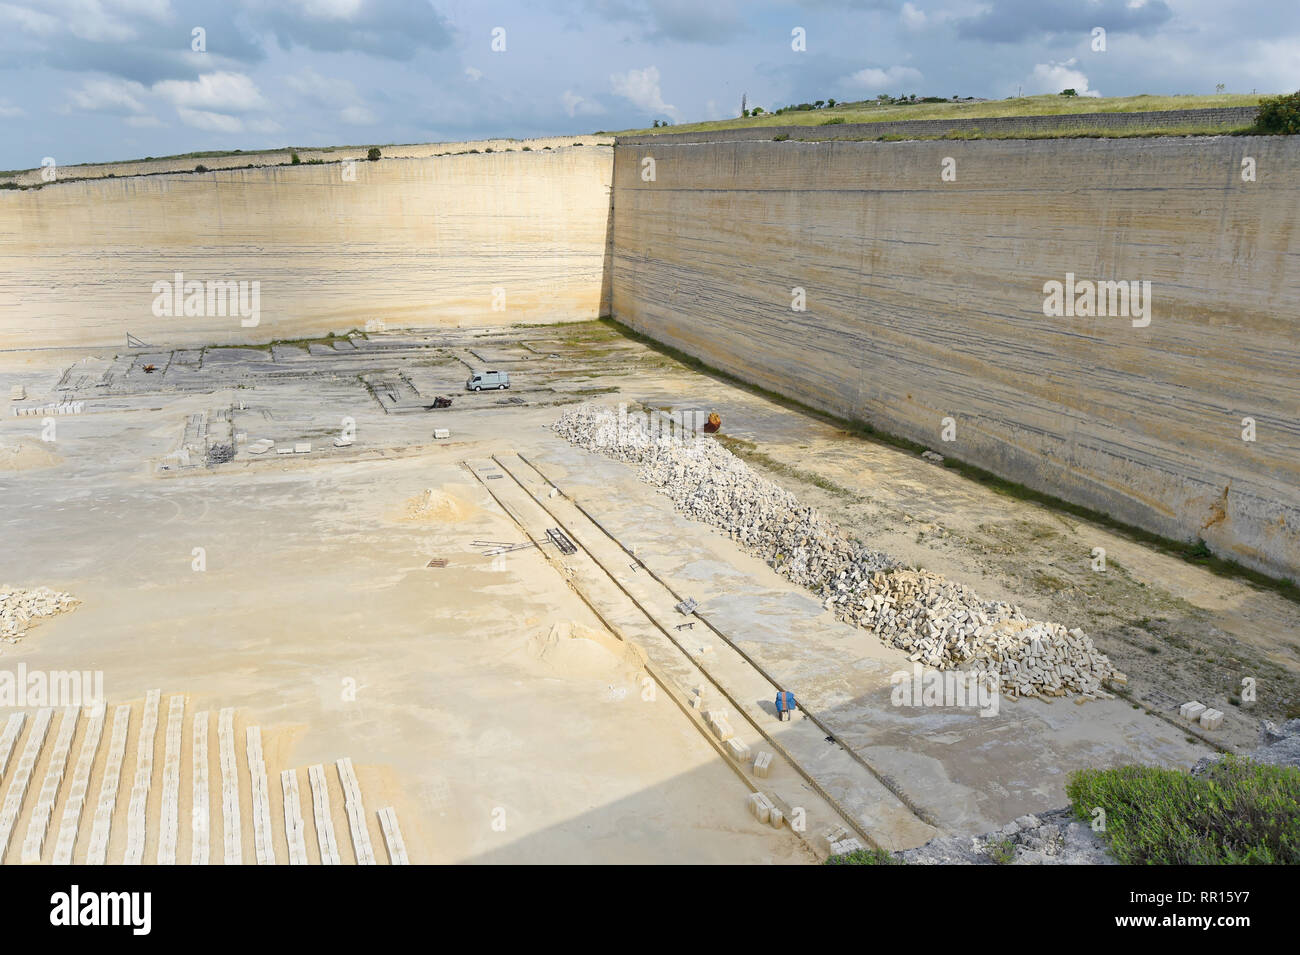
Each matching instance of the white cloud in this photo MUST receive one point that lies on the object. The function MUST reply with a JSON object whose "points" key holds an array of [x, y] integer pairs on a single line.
{"points": [[642, 88], [329, 9], [226, 92], [1275, 64], [876, 80], [322, 90], [7, 111], [30, 21], [1054, 77], [576, 105], [202, 119], [143, 122], [358, 116], [912, 17], [472, 74], [110, 96]]}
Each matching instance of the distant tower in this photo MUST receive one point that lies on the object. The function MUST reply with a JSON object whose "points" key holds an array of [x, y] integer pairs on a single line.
{"points": [[744, 104]]}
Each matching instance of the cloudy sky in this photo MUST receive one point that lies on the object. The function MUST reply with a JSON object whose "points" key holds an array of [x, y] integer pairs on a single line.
{"points": [[96, 80]]}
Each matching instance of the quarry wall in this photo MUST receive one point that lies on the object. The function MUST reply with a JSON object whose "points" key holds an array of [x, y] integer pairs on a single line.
{"points": [[925, 295], [922, 269], [409, 241]]}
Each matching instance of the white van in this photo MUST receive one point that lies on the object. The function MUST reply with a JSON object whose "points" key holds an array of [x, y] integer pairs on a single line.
{"points": [[487, 379]]}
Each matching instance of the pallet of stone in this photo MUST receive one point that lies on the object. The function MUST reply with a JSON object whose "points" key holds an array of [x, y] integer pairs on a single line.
{"points": [[136, 819], [232, 834], [762, 764], [1192, 711], [13, 728], [73, 807], [22, 778], [760, 807], [1211, 719], [38, 826], [200, 817], [738, 750], [261, 798], [356, 812], [393, 837], [97, 851], [293, 822], [717, 721], [169, 825], [763, 808], [320, 803]]}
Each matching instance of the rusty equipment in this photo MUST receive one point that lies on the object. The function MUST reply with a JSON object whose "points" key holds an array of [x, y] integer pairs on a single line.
{"points": [[713, 424]]}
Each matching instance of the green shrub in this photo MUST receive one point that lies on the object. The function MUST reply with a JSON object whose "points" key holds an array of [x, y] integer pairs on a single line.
{"points": [[200, 168], [832, 122], [1238, 812], [1002, 852], [373, 153], [780, 137], [293, 159], [1279, 114]]}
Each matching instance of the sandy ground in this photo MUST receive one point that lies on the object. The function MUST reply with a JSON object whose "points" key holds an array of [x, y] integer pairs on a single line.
{"points": [[451, 689], [492, 745]]}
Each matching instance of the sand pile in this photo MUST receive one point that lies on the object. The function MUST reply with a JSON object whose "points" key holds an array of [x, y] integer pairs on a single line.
{"points": [[940, 623], [26, 454], [20, 609], [438, 506], [572, 649]]}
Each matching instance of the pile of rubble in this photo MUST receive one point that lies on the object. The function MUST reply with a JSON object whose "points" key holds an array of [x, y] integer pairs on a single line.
{"points": [[1049, 838], [20, 608], [939, 623]]}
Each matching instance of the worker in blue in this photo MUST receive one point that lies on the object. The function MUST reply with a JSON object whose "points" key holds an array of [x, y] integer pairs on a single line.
{"points": [[785, 705]]}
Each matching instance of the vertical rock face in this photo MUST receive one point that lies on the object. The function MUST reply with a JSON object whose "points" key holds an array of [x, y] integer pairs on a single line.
{"points": [[412, 242], [925, 297]]}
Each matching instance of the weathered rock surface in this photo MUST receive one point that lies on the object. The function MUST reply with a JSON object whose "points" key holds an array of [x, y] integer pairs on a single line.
{"points": [[1055, 837]]}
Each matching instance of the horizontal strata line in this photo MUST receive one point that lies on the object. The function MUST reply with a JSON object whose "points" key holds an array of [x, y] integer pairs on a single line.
{"points": [[965, 190]]}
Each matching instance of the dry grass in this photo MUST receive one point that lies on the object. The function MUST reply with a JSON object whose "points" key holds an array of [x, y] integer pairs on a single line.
{"points": [[1050, 105]]}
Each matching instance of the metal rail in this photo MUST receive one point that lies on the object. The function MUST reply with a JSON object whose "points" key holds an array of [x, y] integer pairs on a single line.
{"points": [[785, 754], [884, 780]]}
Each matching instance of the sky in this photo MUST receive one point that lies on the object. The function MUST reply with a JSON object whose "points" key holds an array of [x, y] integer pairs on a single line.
{"points": [[101, 80]]}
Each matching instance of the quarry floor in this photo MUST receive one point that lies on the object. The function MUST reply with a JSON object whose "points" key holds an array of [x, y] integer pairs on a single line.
{"points": [[318, 618]]}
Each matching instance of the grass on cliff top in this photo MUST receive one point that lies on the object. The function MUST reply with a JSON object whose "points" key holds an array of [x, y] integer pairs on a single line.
{"points": [[1047, 105], [1238, 813]]}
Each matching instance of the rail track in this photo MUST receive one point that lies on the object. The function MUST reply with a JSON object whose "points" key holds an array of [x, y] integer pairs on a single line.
{"points": [[867, 803]]}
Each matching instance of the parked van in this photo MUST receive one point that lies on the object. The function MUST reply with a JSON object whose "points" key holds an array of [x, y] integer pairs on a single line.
{"points": [[487, 379]]}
